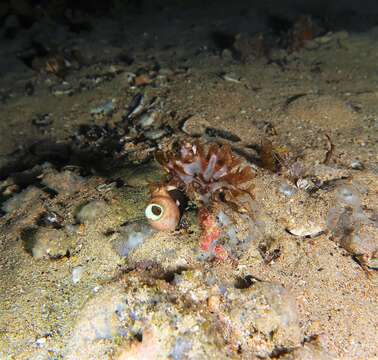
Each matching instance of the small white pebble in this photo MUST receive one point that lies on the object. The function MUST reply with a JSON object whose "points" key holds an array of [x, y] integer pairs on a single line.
{"points": [[287, 190], [356, 165], [77, 273], [40, 342]]}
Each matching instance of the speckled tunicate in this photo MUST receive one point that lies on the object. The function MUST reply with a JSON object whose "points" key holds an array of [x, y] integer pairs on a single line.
{"points": [[348, 196], [287, 190], [180, 349], [130, 237]]}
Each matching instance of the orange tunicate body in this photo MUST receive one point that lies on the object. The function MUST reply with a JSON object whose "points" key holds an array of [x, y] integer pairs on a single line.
{"points": [[171, 215]]}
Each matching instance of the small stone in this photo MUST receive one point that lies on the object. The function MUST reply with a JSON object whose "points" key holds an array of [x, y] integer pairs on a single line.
{"points": [[156, 134], [287, 190], [48, 243], [42, 120], [325, 39], [77, 273], [213, 302], [311, 45], [148, 119], [41, 342], [227, 55], [105, 109], [65, 182], [356, 165], [62, 89], [22, 200], [142, 80], [341, 35], [230, 77], [92, 211]]}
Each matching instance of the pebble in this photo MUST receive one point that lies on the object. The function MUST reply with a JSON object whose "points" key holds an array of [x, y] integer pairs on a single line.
{"points": [[227, 55], [41, 342], [64, 89], [287, 190], [22, 200], [156, 134], [148, 119], [356, 165], [77, 273], [230, 77], [105, 109], [65, 182], [91, 212], [48, 244], [42, 120]]}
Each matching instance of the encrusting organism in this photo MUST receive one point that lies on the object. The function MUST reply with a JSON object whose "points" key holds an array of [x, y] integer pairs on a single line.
{"points": [[208, 175]]}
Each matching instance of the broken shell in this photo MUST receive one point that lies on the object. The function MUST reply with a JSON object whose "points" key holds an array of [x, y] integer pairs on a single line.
{"points": [[195, 126], [163, 211]]}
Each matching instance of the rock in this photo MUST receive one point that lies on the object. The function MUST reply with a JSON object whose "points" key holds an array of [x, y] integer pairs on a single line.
{"points": [[105, 109], [231, 77], [325, 39], [149, 119], [262, 317], [65, 182], [91, 212], [287, 189], [155, 134], [48, 243], [135, 319], [142, 80], [24, 199], [356, 165], [250, 47], [63, 89], [77, 273], [227, 55]]}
